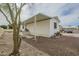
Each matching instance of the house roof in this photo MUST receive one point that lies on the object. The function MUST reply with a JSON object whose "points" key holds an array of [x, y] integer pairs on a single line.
{"points": [[39, 17]]}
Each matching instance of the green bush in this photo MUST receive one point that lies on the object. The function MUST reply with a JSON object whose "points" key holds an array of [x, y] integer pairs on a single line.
{"points": [[3, 26]]}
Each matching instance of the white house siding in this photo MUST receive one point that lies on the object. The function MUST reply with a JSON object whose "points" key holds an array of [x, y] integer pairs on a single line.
{"points": [[52, 30], [42, 28]]}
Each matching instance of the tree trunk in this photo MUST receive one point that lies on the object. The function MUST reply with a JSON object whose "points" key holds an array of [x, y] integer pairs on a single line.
{"points": [[16, 41], [15, 49]]}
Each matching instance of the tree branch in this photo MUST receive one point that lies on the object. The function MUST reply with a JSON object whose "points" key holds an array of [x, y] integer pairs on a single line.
{"points": [[5, 16], [16, 7], [19, 10], [11, 12]]}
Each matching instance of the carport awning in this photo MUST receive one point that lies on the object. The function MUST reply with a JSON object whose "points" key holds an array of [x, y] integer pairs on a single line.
{"points": [[39, 17]]}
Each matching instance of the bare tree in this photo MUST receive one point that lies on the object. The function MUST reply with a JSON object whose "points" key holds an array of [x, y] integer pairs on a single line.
{"points": [[12, 13]]}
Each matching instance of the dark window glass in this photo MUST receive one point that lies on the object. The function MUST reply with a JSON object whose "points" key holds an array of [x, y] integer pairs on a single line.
{"points": [[23, 26], [55, 25]]}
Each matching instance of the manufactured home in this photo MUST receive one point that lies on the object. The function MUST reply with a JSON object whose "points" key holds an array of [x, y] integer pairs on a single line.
{"points": [[42, 25]]}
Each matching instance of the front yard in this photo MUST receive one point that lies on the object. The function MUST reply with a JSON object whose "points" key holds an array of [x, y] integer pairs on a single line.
{"points": [[64, 45], [59, 46]]}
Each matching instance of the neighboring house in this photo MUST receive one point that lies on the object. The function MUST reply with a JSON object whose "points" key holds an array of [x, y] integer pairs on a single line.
{"points": [[42, 25]]}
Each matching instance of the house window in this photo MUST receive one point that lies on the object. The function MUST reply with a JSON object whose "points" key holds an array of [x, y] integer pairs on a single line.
{"points": [[23, 26], [55, 25]]}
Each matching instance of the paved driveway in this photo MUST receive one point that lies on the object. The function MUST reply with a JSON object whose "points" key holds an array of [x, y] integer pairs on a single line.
{"points": [[71, 34]]}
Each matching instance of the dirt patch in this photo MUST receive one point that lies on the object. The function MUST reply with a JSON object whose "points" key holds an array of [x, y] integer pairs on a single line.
{"points": [[58, 46]]}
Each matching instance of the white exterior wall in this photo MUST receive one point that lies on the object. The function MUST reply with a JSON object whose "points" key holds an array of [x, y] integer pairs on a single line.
{"points": [[42, 28], [52, 30]]}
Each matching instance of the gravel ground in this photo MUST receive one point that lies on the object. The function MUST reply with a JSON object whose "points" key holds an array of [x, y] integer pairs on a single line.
{"points": [[63, 46], [26, 49]]}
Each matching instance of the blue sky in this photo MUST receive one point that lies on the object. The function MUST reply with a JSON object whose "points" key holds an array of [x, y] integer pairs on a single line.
{"points": [[67, 13]]}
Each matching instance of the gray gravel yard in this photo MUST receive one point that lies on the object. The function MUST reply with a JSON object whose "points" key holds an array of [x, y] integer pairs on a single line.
{"points": [[26, 49]]}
